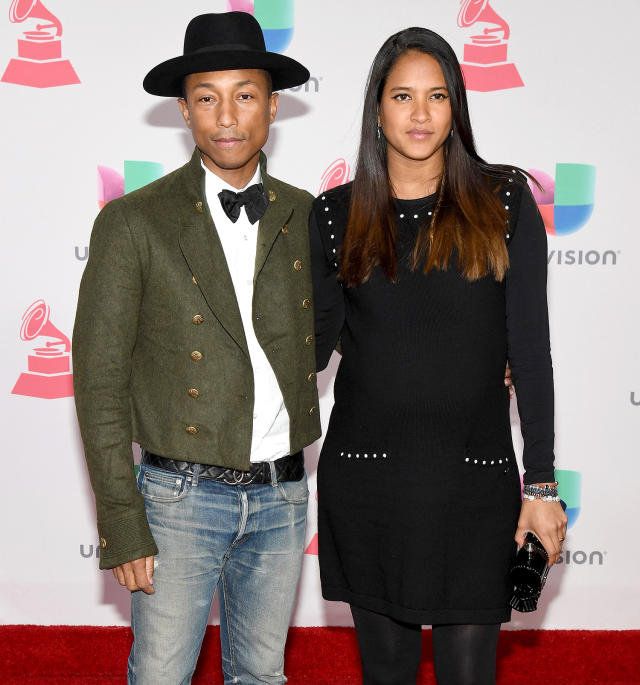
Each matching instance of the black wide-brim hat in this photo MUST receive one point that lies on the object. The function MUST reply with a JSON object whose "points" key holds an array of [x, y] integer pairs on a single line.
{"points": [[219, 42]]}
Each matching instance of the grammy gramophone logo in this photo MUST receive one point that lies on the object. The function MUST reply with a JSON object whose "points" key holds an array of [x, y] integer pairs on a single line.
{"points": [[39, 62], [484, 65], [48, 372], [336, 174]]}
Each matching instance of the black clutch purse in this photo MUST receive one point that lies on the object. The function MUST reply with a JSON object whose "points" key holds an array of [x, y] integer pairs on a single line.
{"points": [[528, 574]]}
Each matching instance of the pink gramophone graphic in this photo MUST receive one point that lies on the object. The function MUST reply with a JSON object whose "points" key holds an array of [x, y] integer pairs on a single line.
{"points": [[334, 175], [39, 62], [49, 368], [485, 65]]}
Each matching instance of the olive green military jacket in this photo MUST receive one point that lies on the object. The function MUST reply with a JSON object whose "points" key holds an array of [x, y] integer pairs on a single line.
{"points": [[159, 350]]}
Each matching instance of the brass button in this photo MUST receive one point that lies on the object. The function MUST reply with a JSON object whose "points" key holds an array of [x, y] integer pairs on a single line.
{"points": [[103, 543], [308, 340], [272, 196], [310, 377], [193, 278], [194, 392], [297, 265], [196, 356], [192, 430], [197, 319], [306, 303], [285, 229], [199, 207], [312, 411]]}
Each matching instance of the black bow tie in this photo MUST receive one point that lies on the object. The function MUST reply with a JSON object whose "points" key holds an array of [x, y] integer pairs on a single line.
{"points": [[253, 199]]}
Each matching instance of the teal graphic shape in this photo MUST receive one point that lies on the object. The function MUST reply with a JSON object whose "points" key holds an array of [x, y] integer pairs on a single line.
{"points": [[570, 492], [574, 197], [276, 19], [138, 174], [575, 184]]}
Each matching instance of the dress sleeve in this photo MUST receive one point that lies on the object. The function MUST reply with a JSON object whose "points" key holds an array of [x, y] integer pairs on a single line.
{"points": [[528, 339], [327, 296]]}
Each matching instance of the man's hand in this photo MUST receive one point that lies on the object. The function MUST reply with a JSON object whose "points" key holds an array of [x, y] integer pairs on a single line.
{"points": [[507, 380], [136, 575]]}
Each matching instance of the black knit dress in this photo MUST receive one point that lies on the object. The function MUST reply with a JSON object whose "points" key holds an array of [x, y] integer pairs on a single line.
{"points": [[418, 487]]}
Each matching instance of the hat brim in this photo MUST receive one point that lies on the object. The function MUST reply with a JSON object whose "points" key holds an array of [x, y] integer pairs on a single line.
{"points": [[166, 78]]}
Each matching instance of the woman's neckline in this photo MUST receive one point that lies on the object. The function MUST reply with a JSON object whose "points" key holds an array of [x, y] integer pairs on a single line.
{"points": [[416, 201]]}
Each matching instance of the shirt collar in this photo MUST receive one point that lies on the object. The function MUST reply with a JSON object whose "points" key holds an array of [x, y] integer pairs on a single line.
{"points": [[215, 184]]}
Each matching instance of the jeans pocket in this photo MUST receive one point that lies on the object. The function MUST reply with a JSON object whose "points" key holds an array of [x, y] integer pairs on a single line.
{"points": [[159, 485], [294, 491]]}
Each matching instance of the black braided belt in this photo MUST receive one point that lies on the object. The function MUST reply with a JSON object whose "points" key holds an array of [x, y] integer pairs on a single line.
{"points": [[289, 468]]}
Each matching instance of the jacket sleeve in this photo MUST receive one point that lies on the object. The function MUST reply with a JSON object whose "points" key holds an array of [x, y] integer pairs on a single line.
{"points": [[104, 337], [328, 297], [528, 340]]}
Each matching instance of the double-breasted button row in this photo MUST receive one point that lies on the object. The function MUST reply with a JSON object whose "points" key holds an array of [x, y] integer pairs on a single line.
{"points": [[192, 430], [193, 392], [196, 356], [311, 376], [197, 319], [312, 411], [297, 265], [306, 303], [308, 340]]}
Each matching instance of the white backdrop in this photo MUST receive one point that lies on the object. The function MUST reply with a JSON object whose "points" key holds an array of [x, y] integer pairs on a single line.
{"points": [[579, 104]]}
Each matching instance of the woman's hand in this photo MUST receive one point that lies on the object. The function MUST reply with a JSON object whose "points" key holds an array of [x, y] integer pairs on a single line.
{"points": [[547, 521]]}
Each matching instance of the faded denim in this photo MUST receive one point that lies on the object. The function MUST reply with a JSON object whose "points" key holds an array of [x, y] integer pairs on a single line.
{"points": [[247, 541]]}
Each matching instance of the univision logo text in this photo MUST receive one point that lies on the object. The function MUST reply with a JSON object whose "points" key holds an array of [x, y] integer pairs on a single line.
{"points": [[580, 557], [311, 86], [583, 257], [90, 551]]}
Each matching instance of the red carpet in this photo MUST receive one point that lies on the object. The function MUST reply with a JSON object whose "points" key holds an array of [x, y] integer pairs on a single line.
{"points": [[57, 655]]}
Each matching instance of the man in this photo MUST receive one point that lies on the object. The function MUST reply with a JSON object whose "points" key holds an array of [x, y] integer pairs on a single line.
{"points": [[193, 337]]}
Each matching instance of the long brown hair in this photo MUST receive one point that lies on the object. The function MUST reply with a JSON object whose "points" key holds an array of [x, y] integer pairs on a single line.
{"points": [[469, 219]]}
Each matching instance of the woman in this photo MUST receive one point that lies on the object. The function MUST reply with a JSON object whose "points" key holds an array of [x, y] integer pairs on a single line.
{"points": [[430, 270]]}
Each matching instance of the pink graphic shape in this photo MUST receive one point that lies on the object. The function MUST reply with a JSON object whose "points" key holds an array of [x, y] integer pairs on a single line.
{"points": [[240, 6], [39, 63], [110, 185], [544, 198], [312, 548], [336, 174], [48, 374], [485, 66]]}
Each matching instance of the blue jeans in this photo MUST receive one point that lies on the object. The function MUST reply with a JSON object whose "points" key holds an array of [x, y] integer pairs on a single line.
{"points": [[247, 541]]}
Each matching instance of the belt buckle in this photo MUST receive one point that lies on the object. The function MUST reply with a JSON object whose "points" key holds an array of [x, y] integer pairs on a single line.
{"points": [[235, 477]]}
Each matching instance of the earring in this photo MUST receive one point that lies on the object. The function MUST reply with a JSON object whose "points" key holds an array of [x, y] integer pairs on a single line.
{"points": [[379, 129], [451, 133]]}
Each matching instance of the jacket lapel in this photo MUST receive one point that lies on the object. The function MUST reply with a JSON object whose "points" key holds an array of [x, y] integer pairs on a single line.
{"points": [[278, 212], [202, 249]]}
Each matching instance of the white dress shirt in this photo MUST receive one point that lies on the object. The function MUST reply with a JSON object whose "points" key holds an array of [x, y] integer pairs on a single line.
{"points": [[270, 437]]}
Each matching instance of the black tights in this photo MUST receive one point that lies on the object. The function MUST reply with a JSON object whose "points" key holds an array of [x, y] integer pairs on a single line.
{"points": [[390, 651]]}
